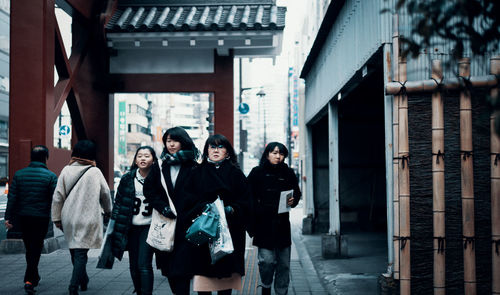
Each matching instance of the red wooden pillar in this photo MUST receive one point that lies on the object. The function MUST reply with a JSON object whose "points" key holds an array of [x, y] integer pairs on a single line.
{"points": [[31, 79], [224, 100]]}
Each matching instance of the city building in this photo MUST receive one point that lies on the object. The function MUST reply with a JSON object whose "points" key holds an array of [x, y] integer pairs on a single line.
{"points": [[4, 90]]}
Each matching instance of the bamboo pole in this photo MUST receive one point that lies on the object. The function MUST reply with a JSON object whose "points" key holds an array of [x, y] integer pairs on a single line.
{"points": [[467, 182], [495, 186], [404, 190], [438, 184], [448, 84], [395, 133]]}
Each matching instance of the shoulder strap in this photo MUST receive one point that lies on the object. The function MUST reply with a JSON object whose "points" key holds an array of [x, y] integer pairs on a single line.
{"points": [[78, 180], [164, 184]]}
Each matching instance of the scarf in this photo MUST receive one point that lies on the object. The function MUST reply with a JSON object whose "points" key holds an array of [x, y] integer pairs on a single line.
{"points": [[216, 163], [180, 157], [82, 161]]}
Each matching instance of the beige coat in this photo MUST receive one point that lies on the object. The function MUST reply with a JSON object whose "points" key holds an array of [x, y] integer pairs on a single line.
{"points": [[80, 212]]}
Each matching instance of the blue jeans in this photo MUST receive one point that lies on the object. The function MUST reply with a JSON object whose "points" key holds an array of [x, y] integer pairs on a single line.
{"points": [[141, 259], [275, 263], [79, 259]]}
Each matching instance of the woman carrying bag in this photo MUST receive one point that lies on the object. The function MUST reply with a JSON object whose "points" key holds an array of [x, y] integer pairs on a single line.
{"points": [[219, 176], [81, 194], [132, 218], [178, 160], [272, 229]]}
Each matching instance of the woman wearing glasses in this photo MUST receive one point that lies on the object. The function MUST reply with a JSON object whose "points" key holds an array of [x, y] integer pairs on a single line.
{"points": [[178, 160], [219, 176]]}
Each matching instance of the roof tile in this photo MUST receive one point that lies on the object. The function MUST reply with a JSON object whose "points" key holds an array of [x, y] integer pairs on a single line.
{"points": [[197, 18]]}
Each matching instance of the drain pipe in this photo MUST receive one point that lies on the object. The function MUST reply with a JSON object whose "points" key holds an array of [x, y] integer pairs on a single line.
{"points": [[495, 185], [388, 104]]}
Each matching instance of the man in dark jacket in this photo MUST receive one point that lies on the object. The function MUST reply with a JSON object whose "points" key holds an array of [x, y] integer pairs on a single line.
{"points": [[29, 201]]}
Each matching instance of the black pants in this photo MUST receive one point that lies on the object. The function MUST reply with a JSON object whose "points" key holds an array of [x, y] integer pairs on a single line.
{"points": [[141, 259], [34, 230], [79, 260], [179, 285]]}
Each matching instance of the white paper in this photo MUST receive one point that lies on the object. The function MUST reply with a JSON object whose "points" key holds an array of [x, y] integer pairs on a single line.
{"points": [[283, 205]]}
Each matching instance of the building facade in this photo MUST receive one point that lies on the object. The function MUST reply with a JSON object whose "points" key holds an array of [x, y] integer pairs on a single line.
{"points": [[372, 163]]}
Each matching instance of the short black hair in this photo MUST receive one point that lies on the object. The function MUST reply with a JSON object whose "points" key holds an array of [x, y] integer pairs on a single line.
{"points": [[39, 153], [146, 147], [85, 149], [219, 139], [269, 148]]}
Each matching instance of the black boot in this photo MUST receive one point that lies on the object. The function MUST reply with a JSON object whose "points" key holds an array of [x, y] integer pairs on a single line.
{"points": [[266, 291], [84, 286], [73, 290]]}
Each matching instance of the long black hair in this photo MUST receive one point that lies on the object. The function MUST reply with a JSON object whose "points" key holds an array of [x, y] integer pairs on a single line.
{"points": [[269, 148], [180, 135], [146, 147], [219, 139]]}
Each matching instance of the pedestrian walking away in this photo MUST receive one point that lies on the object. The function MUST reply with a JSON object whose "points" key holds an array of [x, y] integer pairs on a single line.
{"points": [[28, 206], [219, 176], [178, 161], [81, 194], [271, 182], [132, 218]]}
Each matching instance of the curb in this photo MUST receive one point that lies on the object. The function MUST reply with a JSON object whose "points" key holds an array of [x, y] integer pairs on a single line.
{"points": [[312, 277]]}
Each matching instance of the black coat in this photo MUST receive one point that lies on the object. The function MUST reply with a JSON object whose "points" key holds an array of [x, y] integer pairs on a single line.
{"points": [[178, 262], [231, 185], [122, 214], [272, 230], [31, 191]]}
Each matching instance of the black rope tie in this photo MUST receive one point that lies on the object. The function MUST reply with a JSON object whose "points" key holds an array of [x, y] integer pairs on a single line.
{"points": [[403, 241], [439, 155], [404, 159], [438, 84], [402, 90], [466, 154], [469, 240], [440, 244], [497, 245], [467, 84], [497, 158]]}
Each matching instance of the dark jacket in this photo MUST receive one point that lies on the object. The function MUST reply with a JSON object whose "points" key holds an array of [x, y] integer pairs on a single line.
{"points": [[272, 230], [122, 213], [31, 190], [178, 262], [230, 184]]}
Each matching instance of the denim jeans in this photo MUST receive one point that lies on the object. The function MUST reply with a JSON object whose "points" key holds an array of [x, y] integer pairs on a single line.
{"points": [[141, 259], [34, 230], [79, 259], [275, 263]]}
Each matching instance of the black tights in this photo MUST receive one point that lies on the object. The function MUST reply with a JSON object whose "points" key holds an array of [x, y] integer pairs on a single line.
{"points": [[223, 292]]}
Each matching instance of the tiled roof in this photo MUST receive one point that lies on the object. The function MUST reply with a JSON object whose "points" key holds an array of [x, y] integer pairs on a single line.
{"points": [[197, 18]]}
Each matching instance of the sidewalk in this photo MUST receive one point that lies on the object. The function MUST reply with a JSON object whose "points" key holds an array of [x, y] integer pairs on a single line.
{"points": [[355, 275], [55, 269]]}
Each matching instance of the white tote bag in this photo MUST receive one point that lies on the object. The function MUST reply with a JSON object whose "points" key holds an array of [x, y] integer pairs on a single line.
{"points": [[162, 230], [223, 245]]}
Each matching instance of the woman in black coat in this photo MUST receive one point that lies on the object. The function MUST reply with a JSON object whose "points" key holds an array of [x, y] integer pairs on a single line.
{"points": [[220, 176], [132, 216], [179, 158], [272, 230]]}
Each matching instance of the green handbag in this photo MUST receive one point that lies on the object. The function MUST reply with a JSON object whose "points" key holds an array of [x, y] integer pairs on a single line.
{"points": [[205, 227]]}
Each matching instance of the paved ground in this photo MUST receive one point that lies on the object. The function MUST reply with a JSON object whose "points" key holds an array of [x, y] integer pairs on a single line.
{"points": [[55, 270], [310, 273]]}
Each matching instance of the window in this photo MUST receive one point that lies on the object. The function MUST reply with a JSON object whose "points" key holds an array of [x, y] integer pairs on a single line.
{"points": [[4, 131]]}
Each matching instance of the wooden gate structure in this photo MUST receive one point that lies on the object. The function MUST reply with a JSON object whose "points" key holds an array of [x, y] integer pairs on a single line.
{"points": [[247, 28]]}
